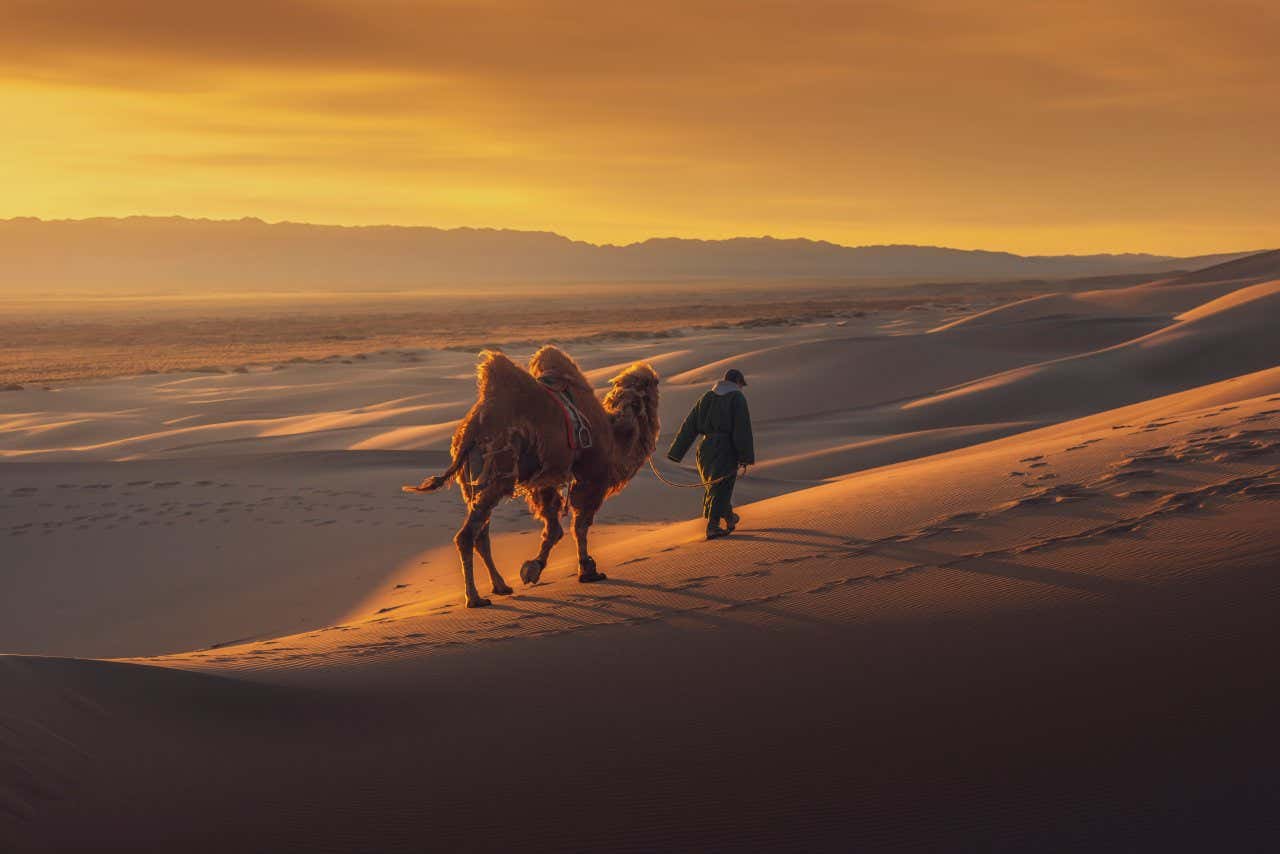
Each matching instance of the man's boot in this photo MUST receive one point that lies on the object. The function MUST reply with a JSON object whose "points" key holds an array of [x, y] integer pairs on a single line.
{"points": [[714, 531], [732, 522]]}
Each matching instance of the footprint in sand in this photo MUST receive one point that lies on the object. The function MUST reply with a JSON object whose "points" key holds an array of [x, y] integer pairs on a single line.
{"points": [[1031, 459]]}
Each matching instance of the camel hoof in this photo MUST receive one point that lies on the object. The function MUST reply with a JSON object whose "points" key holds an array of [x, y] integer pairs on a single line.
{"points": [[504, 590], [478, 602], [587, 571], [531, 571]]}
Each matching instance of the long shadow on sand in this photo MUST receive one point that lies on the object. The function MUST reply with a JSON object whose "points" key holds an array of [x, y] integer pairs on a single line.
{"points": [[645, 611], [1081, 581], [758, 604], [765, 535]]}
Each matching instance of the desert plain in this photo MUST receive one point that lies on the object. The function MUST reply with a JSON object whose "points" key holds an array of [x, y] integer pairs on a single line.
{"points": [[1007, 579]]}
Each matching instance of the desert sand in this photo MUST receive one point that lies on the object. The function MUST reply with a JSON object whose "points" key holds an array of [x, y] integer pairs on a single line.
{"points": [[1006, 580]]}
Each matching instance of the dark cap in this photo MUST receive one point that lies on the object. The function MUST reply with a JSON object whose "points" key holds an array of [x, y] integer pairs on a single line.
{"points": [[733, 375]]}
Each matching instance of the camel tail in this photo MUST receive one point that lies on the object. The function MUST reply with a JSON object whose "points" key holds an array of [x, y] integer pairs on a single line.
{"points": [[434, 482]]}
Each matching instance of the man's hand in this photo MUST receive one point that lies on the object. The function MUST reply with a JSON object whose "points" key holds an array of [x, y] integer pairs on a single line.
{"points": [[742, 470]]}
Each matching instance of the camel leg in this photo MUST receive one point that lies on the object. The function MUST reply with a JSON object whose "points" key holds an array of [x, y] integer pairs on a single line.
{"points": [[585, 500], [477, 520], [500, 587], [547, 504]]}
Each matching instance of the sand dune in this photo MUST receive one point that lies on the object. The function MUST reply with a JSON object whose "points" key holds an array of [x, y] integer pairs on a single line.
{"points": [[1089, 566], [1258, 265], [1225, 337], [1002, 583], [1260, 297], [1046, 491], [1161, 298]]}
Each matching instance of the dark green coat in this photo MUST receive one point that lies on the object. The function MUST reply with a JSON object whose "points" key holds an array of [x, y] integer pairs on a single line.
{"points": [[725, 425]]}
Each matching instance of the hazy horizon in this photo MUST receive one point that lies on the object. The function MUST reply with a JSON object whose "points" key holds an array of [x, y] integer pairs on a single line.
{"points": [[652, 238], [201, 255]]}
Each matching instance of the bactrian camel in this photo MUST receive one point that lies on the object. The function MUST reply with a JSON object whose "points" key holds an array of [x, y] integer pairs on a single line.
{"points": [[519, 439]]}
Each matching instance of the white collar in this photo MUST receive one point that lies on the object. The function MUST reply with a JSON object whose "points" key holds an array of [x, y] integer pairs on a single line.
{"points": [[725, 387]]}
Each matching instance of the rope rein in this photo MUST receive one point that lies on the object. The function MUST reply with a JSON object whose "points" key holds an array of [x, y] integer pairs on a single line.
{"points": [[700, 485]]}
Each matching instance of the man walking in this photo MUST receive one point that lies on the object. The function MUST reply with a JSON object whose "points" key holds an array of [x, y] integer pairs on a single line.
{"points": [[721, 418]]}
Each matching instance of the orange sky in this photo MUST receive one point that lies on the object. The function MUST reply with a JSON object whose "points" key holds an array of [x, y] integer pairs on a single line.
{"points": [[1146, 125]]}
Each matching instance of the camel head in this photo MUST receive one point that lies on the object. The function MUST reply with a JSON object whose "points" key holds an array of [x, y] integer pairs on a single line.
{"points": [[632, 406]]}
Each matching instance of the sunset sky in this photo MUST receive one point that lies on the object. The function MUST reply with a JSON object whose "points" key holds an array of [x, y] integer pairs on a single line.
{"points": [[1129, 125]]}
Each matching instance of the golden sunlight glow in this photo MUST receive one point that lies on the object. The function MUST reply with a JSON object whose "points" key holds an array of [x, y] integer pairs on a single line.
{"points": [[1140, 125]]}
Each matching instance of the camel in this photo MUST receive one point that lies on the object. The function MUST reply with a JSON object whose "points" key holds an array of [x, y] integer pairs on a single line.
{"points": [[516, 440]]}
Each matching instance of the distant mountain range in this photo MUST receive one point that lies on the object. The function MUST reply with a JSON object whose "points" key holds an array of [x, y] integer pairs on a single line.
{"points": [[180, 254]]}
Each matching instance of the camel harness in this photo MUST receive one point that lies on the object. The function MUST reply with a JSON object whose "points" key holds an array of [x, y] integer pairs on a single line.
{"points": [[576, 428]]}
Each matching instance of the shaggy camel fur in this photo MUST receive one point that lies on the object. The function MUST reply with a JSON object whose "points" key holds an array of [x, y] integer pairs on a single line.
{"points": [[514, 441]]}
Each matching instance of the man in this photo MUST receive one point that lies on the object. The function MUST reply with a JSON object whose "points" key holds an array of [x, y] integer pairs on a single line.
{"points": [[721, 418]]}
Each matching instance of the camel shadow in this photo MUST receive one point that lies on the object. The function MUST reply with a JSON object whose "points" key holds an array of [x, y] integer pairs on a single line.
{"points": [[711, 606]]}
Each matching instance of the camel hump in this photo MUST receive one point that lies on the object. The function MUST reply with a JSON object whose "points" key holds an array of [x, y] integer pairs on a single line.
{"points": [[638, 374], [495, 371], [553, 362]]}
